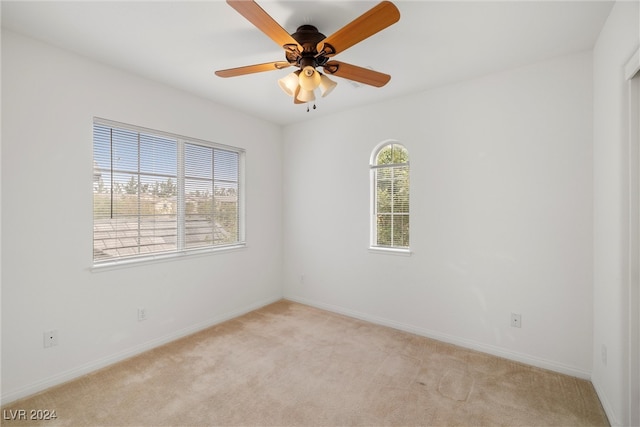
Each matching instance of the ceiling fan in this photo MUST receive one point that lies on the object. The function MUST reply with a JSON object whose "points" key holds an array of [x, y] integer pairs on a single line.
{"points": [[309, 49]]}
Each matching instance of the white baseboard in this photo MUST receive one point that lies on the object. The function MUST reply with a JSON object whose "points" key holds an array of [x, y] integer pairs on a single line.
{"points": [[462, 342], [606, 405], [86, 368]]}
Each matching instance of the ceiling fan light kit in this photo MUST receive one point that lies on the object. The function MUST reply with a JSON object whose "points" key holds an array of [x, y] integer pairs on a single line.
{"points": [[308, 81], [308, 49]]}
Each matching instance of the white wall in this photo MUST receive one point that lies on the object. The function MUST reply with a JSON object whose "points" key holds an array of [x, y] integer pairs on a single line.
{"points": [[618, 40], [49, 98], [501, 211]]}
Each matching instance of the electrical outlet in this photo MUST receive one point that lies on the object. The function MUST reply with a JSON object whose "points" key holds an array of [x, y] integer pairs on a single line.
{"points": [[50, 338], [142, 314], [516, 320]]}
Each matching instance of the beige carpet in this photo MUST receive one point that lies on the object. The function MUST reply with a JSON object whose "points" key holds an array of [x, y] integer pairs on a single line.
{"points": [[289, 364]]}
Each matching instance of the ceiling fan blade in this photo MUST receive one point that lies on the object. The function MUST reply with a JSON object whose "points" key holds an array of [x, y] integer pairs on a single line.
{"points": [[357, 74], [376, 19], [263, 21], [250, 69]]}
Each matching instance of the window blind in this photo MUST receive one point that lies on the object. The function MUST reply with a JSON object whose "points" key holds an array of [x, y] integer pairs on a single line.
{"points": [[156, 193]]}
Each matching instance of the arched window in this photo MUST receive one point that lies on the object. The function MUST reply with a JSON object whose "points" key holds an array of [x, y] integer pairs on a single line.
{"points": [[390, 196]]}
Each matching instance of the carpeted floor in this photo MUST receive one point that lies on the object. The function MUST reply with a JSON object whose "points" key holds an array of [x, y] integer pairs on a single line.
{"points": [[290, 364]]}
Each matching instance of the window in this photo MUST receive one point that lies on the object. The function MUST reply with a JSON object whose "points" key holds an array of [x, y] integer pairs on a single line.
{"points": [[156, 193], [390, 197]]}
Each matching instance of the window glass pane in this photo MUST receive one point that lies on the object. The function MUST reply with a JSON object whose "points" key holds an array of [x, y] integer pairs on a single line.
{"points": [[125, 199], [158, 155], [198, 196], [384, 229], [101, 151], [158, 232], [226, 165], [226, 196], [383, 193], [401, 230], [124, 232], [199, 230], [401, 190], [400, 154], [124, 146], [384, 173], [101, 205], [385, 156], [197, 160], [101, 172], [199, 223], [226, 212]]}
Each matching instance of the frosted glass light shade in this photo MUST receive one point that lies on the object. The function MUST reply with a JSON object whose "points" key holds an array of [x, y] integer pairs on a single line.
{"points": [[289, 83], [306, 96], [326, 85], [309, 78]]}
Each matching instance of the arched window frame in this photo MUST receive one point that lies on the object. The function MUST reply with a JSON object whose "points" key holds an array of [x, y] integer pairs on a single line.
{"points": [[377, 242]]}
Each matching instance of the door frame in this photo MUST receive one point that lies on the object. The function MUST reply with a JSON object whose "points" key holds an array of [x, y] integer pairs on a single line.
{"points": [[632, 73]]}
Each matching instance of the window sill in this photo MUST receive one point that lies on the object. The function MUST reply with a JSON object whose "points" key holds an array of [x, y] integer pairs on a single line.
{"points": [[153, 259], [390, 251]]}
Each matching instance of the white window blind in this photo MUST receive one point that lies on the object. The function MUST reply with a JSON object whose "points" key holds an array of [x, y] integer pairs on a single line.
{"points": [[390, 192], [155, 193]]}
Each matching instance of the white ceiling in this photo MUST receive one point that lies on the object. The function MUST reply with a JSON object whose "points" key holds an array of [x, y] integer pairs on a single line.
{"points": [[181, 43]]}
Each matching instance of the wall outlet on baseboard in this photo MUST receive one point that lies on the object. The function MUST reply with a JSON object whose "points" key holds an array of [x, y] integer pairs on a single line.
{"points": [[50, 338], [516, 320], [142, 314]]}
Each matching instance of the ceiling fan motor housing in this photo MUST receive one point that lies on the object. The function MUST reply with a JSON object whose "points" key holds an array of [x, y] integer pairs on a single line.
{"points": [[308, 37]]}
